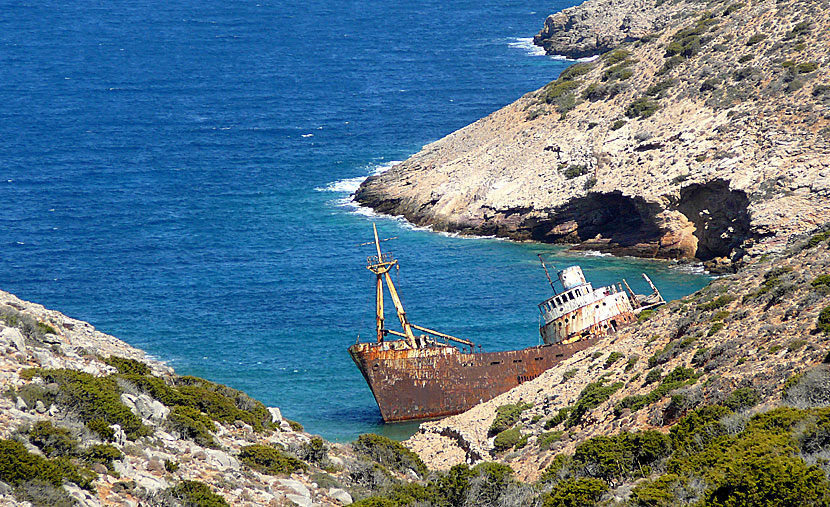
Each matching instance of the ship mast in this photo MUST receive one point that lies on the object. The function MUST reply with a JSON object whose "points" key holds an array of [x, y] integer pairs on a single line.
{"points": [[380, 266]]}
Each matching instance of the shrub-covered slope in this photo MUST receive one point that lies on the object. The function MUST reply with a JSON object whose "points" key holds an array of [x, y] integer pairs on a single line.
{"points": [[709, 139]]}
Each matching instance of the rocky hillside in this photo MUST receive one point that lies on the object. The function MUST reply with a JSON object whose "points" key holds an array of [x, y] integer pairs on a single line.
{"points": [[87, 420], [707, 139], [706, 396]]}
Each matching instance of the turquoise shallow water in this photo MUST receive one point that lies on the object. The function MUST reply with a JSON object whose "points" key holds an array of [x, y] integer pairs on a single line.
{"points": [[177, 173]]}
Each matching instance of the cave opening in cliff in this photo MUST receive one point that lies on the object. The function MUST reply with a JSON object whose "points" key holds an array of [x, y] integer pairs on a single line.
{"points": [[612, 220], [719, 215]]}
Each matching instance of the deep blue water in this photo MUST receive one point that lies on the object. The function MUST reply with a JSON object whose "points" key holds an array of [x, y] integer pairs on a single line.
{"points": [[169, 171]]}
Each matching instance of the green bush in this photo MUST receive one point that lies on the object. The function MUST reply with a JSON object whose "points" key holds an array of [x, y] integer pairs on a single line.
{"points": [[102, 453], [574, 171], [506, 439], [507, 415], [197, 494], [621, 456], [91, 398], [192, 425], [268, 460], [742, 399], [806, 68], [389, 453], [653, 376], [618, 124], [101, 428], [128, 366], [821, 281], [717, 303], [619, 72], [658, 90], [670, 64], [583, 492], [823, 321], [755, 39], [575, 70], [817, 239], [17, 466], [616, 56], [591, 397], [295, 426], [170, 466], [613, 357], [558, 89], [568, 375], [546, 440], [559, 418], [644, 315], [314, 451], [632, 361], [676, 379], [53, 441], [717, 326]]}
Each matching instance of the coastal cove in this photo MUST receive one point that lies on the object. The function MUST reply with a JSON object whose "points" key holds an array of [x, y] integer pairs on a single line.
{"points": [[180, 177]]}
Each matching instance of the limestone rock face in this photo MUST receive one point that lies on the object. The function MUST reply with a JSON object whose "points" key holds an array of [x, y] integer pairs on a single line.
{"points": [[715, 154], [596, 26]]}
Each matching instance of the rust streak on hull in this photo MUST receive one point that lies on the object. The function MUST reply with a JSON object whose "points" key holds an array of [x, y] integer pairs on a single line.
{"points": [[438, 381]]}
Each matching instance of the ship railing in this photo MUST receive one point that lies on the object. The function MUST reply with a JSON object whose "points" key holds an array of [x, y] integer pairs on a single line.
{"points": [[385, 258]]}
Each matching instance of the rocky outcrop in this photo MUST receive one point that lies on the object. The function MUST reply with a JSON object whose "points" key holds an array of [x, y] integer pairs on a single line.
{"points": [[709, 140], [164, 445], [596, 26], [755, 329]]}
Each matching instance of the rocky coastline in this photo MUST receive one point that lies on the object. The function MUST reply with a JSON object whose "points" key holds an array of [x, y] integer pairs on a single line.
{"points": [[704, 135], [88, 420]]}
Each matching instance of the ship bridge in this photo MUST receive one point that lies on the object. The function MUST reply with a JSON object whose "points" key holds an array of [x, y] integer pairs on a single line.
{"points": [[580, 310]]}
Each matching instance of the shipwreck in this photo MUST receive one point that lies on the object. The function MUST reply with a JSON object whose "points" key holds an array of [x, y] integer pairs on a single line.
{"points": [[433, 374]]}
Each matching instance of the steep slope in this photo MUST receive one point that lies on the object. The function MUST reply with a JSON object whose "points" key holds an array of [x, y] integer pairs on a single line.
{"points": [[708, 140], [754, 332], [88, 420]]}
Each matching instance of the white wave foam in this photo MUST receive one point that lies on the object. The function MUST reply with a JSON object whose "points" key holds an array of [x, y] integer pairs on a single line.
{"points": [[350, 185], [595, 253], [526, 44]]}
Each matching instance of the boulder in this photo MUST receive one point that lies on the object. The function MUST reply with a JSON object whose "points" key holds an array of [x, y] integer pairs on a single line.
{"points": [[297, 486], [341, 495], [276, 415], [13, 336]]}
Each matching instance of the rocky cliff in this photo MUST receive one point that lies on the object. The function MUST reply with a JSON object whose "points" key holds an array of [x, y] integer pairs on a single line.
{"points": [[88, 420], [707, 139]]}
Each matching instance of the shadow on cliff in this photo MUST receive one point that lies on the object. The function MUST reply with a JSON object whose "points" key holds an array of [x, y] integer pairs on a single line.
{"points": [[626, 225]]}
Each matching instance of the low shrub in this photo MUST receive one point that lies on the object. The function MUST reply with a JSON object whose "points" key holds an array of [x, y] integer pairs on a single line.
{"points": [[269, 460], [619, 72], [101, 428], [170, 465], [546, 440], [717, 303], [806, 67], [653, 376], [506, 439], [558, 419], [582, 492], [717, 326], [817, 239], [618, 124], [821, 281], [621, 456], [102, 453], [17, 466], [191, 424], [507, 415], [742, 399], [558, 89], [314, 451], [659, 89], [644, 315], [575, 70], [197, 494], [823, 321], [389, 453], [91, 398], [574, 171], [755, 39], [677, 378], [53, 441], [568, 375], [642, 108], [616, 56], [613, 357], [127, 366], [591, 397], [632, 361]]}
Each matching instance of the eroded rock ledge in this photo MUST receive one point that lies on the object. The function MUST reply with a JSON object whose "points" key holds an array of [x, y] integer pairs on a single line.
{"points": [[709, 141]]}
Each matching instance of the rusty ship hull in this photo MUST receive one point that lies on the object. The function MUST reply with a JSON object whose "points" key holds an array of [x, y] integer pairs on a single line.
{"points": [[440, 380]]}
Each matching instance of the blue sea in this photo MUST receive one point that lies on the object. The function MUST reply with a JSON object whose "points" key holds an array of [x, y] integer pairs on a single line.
{"points": [[178, 173]]}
